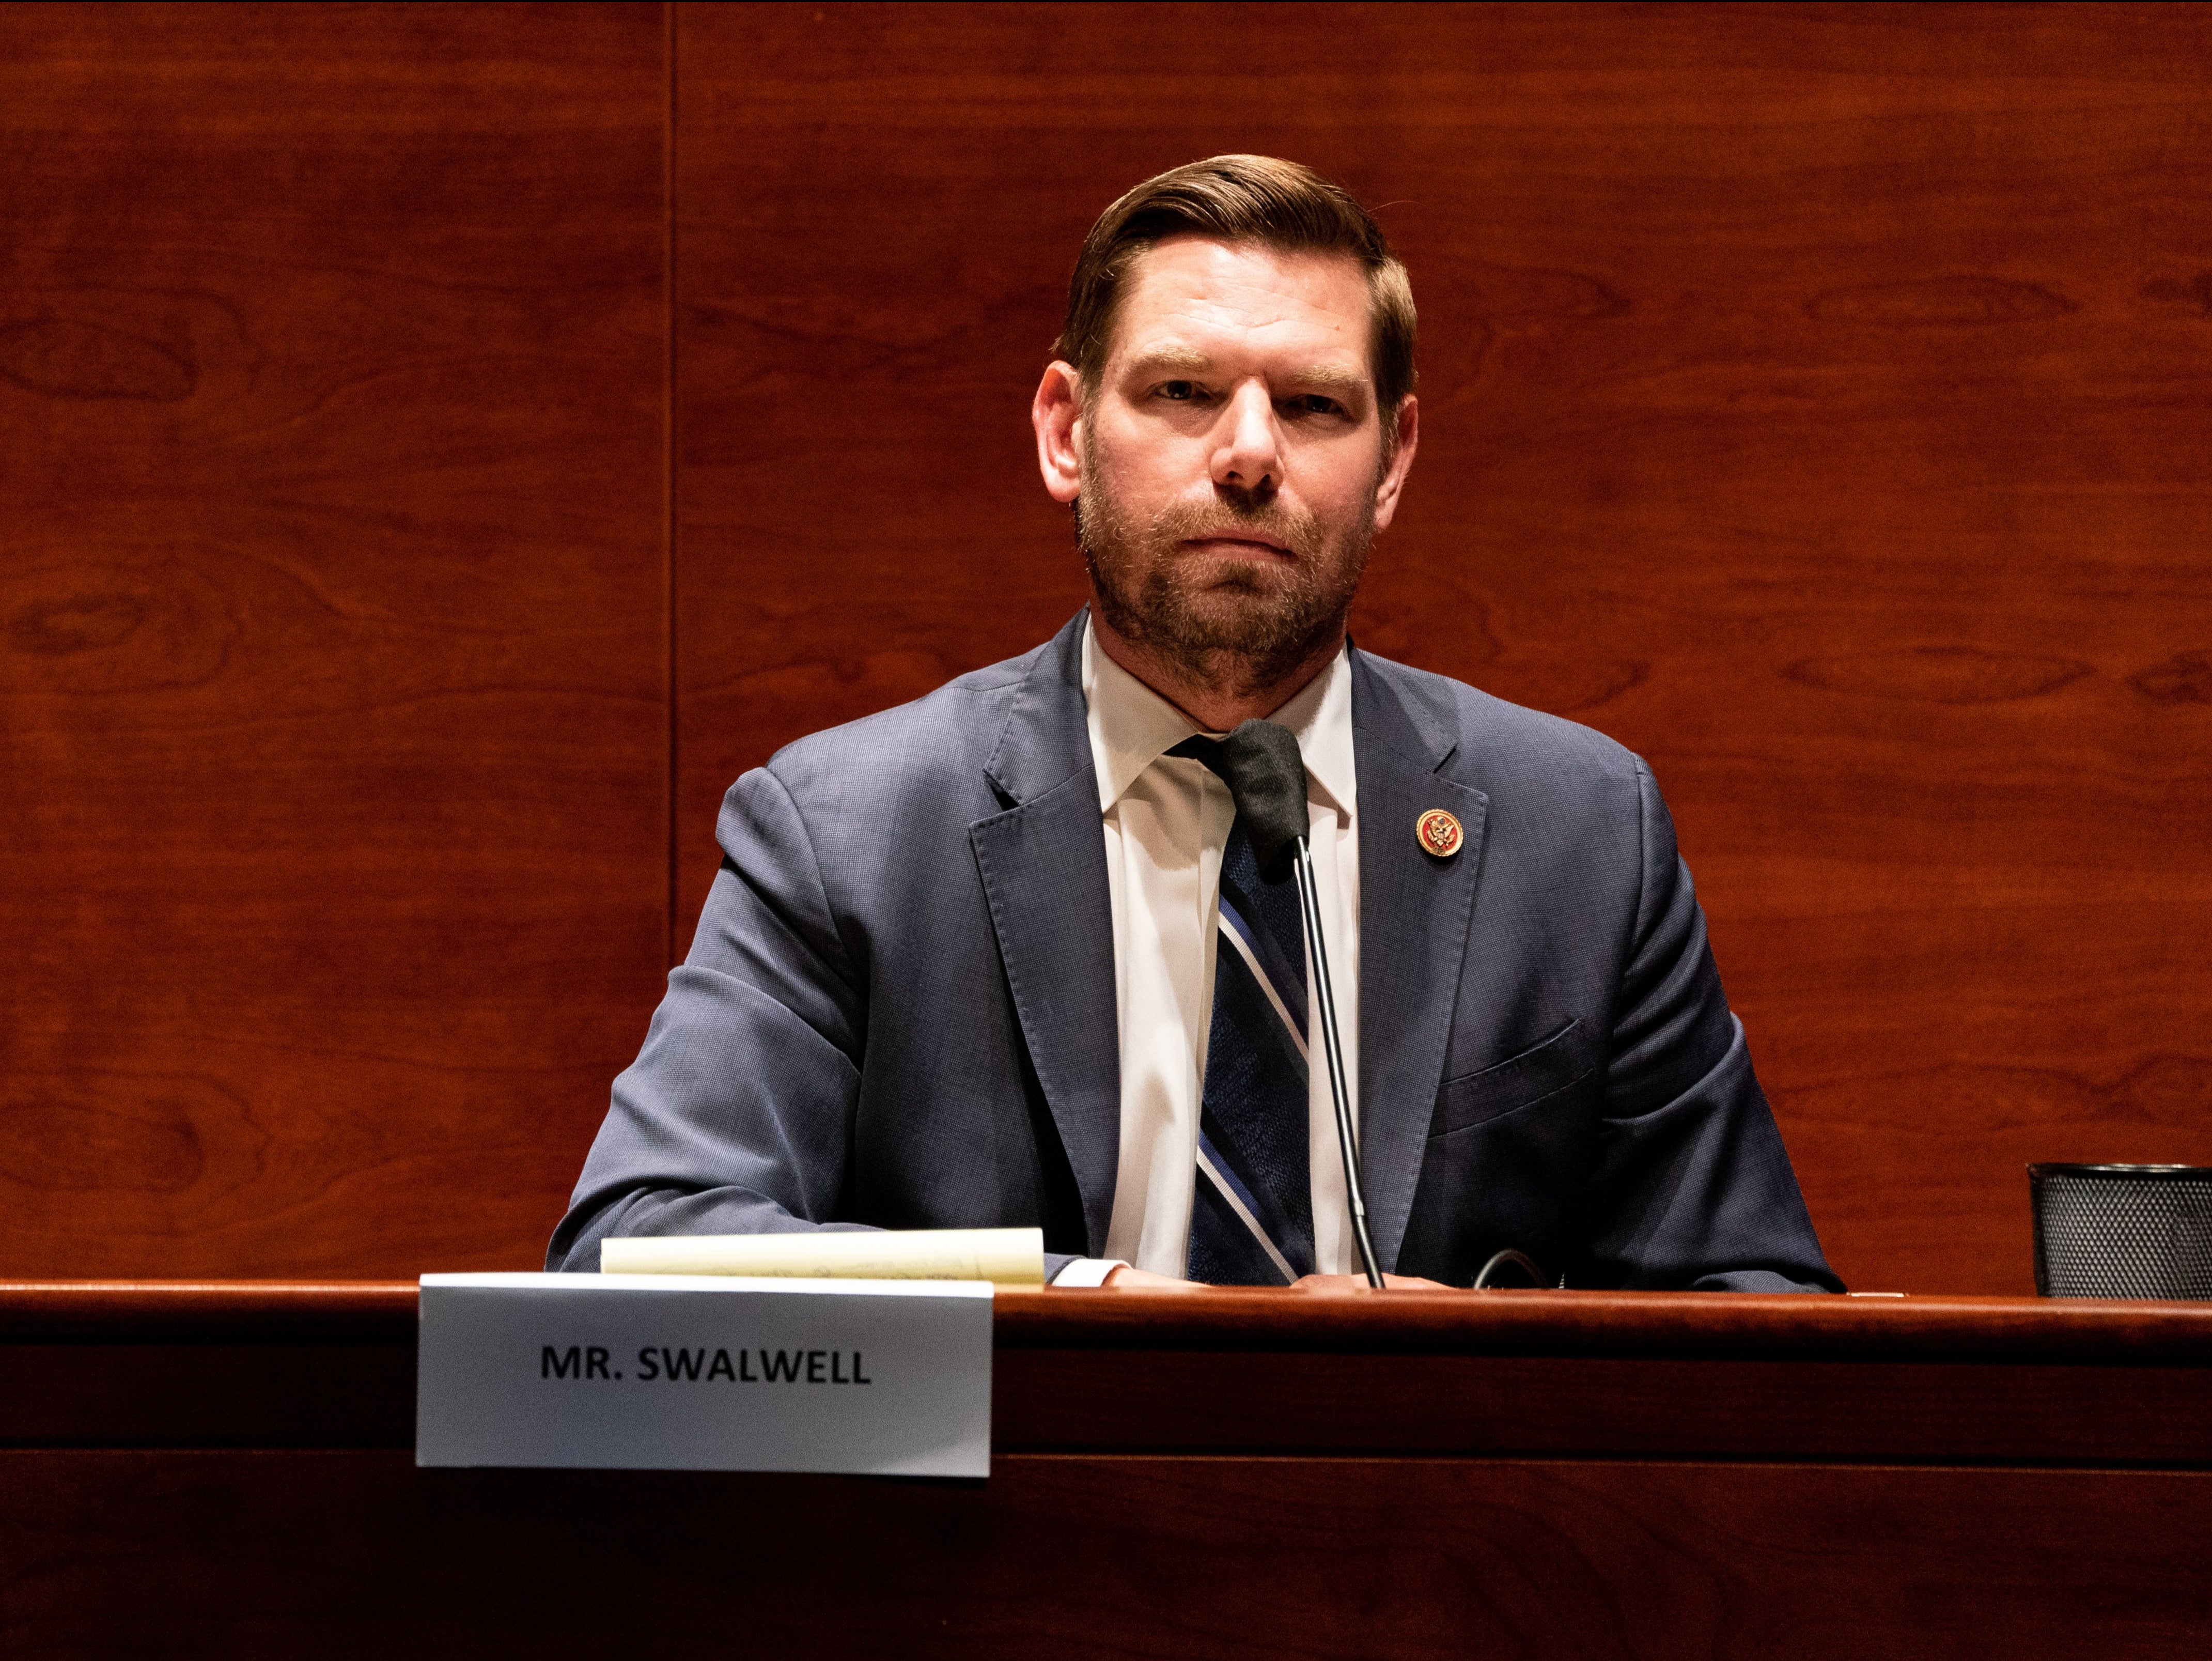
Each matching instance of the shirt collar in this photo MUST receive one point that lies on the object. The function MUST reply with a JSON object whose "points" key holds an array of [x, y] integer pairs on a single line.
{"points": [[1132, 727]]}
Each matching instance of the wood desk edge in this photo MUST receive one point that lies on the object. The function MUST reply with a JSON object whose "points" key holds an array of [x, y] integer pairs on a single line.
{"points": [[1688, 1325]]}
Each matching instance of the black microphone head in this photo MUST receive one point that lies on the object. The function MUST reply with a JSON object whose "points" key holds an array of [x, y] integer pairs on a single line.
{"points": [[1260, 764]]}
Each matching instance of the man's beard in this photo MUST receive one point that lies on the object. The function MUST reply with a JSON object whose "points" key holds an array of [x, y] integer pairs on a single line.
{"points": [[1234, 623]]}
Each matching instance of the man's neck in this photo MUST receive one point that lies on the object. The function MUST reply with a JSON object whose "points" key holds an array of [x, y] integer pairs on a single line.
{"points": [[1221, 692]]}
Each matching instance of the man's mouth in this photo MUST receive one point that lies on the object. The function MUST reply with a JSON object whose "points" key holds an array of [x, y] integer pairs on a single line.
{"points": [[1259, 543]]}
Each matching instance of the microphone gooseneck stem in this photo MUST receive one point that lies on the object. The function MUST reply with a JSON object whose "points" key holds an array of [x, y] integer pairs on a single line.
{"points": [[1324, 993]]}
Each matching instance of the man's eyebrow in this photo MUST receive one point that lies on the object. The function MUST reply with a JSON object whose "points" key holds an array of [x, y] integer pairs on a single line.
{"points": [[1181, 359], [1330, 378], [1164, 358]]}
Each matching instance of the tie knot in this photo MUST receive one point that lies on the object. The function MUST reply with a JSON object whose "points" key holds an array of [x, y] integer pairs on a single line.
{"points": [[1267, 778]]}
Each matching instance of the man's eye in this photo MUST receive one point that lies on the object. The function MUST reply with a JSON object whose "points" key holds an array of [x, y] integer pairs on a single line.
{"points": [[1314, 404], [1181, 392]]}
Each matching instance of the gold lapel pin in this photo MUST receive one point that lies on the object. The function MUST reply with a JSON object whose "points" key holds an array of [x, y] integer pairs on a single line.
{"points": [[1439, 833]]}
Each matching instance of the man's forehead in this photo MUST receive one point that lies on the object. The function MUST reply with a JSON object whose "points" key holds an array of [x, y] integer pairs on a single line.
{"points": [[1197, 297]]}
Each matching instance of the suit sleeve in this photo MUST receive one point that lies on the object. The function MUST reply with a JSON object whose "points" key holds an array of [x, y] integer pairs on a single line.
{"points": [[1692, 1187], [737, 1116]]}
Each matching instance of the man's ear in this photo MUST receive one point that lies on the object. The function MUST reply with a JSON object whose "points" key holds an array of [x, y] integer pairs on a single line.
{"points": [[1387, 489], [1055, 412]]}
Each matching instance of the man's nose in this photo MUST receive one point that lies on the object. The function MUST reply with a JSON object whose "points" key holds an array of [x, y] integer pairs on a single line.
{"points": [[1249, 454]]}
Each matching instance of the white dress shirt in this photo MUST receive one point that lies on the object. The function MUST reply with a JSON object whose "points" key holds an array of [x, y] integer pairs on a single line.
{"points": [[1166, 819]]}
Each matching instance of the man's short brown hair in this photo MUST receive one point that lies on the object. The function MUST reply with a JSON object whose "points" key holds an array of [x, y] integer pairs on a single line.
{"points": [[1241, 199]]}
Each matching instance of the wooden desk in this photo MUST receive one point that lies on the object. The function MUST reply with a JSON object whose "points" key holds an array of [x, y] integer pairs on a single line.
{"points": [[226, 1469]]}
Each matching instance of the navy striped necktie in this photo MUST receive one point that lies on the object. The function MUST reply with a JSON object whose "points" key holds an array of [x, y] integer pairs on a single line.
{"points": [[1251, 1214]]}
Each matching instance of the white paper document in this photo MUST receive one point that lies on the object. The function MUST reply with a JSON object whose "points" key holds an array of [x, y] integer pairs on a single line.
{"points": [[1010, 1257], [705, 1372]]}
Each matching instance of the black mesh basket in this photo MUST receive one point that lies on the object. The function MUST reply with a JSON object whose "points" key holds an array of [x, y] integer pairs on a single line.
{"points": [[2122, 1231]]}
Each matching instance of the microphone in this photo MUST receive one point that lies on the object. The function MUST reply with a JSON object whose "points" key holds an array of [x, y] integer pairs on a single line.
{"points": [[1266, 775]]}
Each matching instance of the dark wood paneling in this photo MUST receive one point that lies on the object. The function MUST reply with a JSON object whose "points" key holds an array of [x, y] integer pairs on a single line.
{"points": [[212, 1469], [304, 1394], [348, 1554], [1815, 399], [214, 1395], [1576, 1374], [332, 711]]}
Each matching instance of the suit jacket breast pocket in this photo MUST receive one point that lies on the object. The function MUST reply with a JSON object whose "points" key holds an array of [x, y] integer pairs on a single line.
{"points": [[1548, 1069]]}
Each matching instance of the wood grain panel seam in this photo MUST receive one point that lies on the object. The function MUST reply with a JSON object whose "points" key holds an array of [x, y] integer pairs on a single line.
{"points": [[668, 592]]}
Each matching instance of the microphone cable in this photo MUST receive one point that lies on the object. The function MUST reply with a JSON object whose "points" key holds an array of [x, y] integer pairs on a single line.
{"points": [[1325, 991]]}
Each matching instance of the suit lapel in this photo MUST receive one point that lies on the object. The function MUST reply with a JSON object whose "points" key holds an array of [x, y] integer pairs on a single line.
{"points": [[1044, 867], [1414, 912]]}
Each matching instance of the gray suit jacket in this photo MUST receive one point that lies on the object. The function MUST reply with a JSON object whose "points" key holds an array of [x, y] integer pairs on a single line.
{"points": [[899, 1008]]}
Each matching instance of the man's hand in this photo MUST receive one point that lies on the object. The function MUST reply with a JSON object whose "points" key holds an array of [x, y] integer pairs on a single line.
{"points": [[1126, 1279]]}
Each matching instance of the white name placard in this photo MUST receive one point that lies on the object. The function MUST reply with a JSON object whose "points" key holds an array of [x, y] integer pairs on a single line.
{"points": [[705, 1372]]}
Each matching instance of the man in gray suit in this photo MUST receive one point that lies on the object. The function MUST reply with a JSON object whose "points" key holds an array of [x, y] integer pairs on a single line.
{"points": [[1012, 955]]}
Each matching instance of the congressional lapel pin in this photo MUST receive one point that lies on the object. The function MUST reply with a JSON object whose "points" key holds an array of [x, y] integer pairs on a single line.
{"points": [[1439, 833]]}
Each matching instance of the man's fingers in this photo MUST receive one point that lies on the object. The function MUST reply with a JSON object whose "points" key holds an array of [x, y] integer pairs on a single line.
{"points": [[1126, 1279]]}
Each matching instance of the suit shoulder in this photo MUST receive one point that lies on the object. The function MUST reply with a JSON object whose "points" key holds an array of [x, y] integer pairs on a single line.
{"points": [[1495, 737]]}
